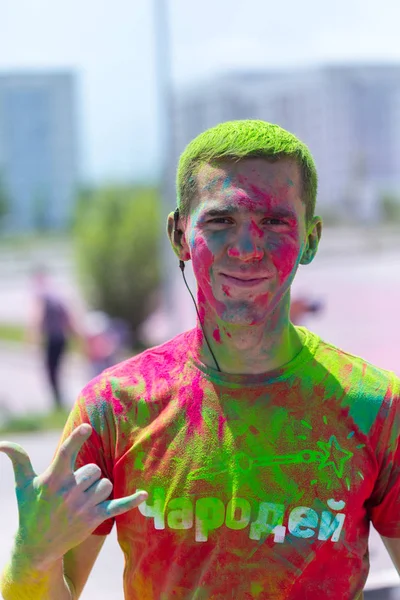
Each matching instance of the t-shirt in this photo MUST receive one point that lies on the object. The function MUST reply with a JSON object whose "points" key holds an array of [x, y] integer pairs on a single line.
{"points": [[260, 486], [55, 322]]}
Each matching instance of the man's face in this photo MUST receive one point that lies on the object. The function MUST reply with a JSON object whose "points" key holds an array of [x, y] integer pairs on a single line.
{"points": [[246, 235]]}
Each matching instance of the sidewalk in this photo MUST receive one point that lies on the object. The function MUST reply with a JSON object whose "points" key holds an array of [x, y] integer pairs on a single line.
{"points": [[23, 387]]}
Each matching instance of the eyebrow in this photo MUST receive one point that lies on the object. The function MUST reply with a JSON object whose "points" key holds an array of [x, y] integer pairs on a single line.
{"points": [[223, 212]]}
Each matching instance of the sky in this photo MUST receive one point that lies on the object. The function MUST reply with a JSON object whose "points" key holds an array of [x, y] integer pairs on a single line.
{"points": [[112, 47]]}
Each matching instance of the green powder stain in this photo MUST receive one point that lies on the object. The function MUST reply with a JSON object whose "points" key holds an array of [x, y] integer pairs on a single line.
{"points": [[302, 437], [325, 420], [256, 589], [306, 424], [139, 461], [328, 487], [360, 474], [361, 446], [314, 481], [347, 483], [143, 413], [350, 434], [363, 417]]}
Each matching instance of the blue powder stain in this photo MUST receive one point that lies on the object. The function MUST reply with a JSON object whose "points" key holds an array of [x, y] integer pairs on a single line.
{"points": [[227, 182]]}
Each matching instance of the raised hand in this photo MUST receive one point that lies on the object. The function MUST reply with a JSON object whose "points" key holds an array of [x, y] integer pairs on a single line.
{"points": [[61, 507]]}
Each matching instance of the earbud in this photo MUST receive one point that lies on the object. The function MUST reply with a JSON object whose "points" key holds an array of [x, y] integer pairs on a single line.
{"points": [[177, 232], [177, 236]]}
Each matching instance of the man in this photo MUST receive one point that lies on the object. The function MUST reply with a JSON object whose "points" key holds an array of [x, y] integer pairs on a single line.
{"points": [[51, 326], [263, 451]]}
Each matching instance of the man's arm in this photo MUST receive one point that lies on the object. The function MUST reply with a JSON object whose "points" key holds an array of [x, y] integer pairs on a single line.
{"points": [[79, 561], [20, 580], [393, 547], [63, 580]]}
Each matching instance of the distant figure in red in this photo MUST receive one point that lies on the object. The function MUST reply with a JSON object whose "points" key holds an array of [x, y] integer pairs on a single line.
{"points": [[301, 307], [51, 327], [105, 341]]}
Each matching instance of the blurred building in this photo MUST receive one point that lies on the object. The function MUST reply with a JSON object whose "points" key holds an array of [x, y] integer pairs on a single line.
{"points": [[349, 116], [38, 149]]}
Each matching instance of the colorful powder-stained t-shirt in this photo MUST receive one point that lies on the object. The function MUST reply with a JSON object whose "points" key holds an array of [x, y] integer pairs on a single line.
{"points": [[260, 486]]}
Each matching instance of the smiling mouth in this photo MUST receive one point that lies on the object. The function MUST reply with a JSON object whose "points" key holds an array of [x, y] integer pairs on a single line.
{"points": [[243, 282]]}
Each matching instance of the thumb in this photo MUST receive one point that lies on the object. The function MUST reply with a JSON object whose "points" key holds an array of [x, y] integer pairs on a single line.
{"points": [[23, 470]]}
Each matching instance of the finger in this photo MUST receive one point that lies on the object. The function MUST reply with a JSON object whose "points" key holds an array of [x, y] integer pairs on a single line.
{"points": [[87, 475], [113, 508], [23, 470], [68, 451], [99, 491]]}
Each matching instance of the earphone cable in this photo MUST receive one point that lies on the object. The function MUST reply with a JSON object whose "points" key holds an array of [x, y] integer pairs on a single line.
{"points": [[182, 267]]}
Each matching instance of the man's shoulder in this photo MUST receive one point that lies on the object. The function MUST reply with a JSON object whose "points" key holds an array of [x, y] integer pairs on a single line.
{"points": [[163, 362], [362, 382]]}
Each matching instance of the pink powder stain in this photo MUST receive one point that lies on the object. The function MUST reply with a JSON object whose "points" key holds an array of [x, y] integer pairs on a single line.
{"points": [[201, 300], [263, 196], [221, 427], [255, 230], [191, 401], [217, 335], [117, 406], [233, 252], [285, 262], [203, 260], [109, 393], [226, 290]]}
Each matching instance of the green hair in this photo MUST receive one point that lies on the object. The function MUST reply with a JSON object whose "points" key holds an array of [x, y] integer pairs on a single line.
{"points": [[235, 140]]}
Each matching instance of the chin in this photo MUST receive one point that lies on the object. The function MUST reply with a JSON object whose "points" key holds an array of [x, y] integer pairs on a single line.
{"points": [[244, 314]]}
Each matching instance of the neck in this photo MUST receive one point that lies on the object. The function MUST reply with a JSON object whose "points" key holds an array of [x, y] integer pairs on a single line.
{"points": [[243, 349]]}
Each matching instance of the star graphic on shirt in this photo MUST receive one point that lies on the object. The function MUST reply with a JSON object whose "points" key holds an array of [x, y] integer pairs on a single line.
{"points": [[333, 455]]}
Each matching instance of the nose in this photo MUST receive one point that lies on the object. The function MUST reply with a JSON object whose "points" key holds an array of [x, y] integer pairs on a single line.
{"points": [[247, 245]]}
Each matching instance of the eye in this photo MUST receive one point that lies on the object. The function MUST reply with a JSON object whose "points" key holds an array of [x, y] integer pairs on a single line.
{"points": [[275, 221], [221, 220]]}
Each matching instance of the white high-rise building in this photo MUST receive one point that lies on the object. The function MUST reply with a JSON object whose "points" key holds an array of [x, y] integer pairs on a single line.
{"points": [[348, 116], [38, 148]]}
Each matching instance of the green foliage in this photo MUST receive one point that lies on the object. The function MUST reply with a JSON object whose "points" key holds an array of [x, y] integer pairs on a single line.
{"points": [[117, 238], [54, 420], [390, 207]]}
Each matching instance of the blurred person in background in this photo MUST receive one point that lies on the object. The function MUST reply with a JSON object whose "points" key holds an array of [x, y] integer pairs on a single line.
{"points": [[105, 341], [302, 307], [51, 327], [264, 453]]}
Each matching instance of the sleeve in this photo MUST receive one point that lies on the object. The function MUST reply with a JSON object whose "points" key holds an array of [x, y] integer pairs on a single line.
{"points": [[384, 503], [97, 449]]}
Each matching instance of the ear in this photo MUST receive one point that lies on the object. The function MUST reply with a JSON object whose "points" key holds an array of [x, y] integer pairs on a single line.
{"points": [[176, 236], [313, 237]]}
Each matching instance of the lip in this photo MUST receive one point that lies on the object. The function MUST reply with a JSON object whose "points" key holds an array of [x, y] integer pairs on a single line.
{"points": [[243, 281]]}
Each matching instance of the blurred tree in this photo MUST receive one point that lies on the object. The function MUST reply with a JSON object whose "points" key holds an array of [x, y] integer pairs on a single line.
{"points": [[117, 241], [390, 208]]}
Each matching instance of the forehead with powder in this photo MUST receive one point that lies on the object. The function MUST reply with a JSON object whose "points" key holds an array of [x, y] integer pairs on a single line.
{"points": [[257, 178]]}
